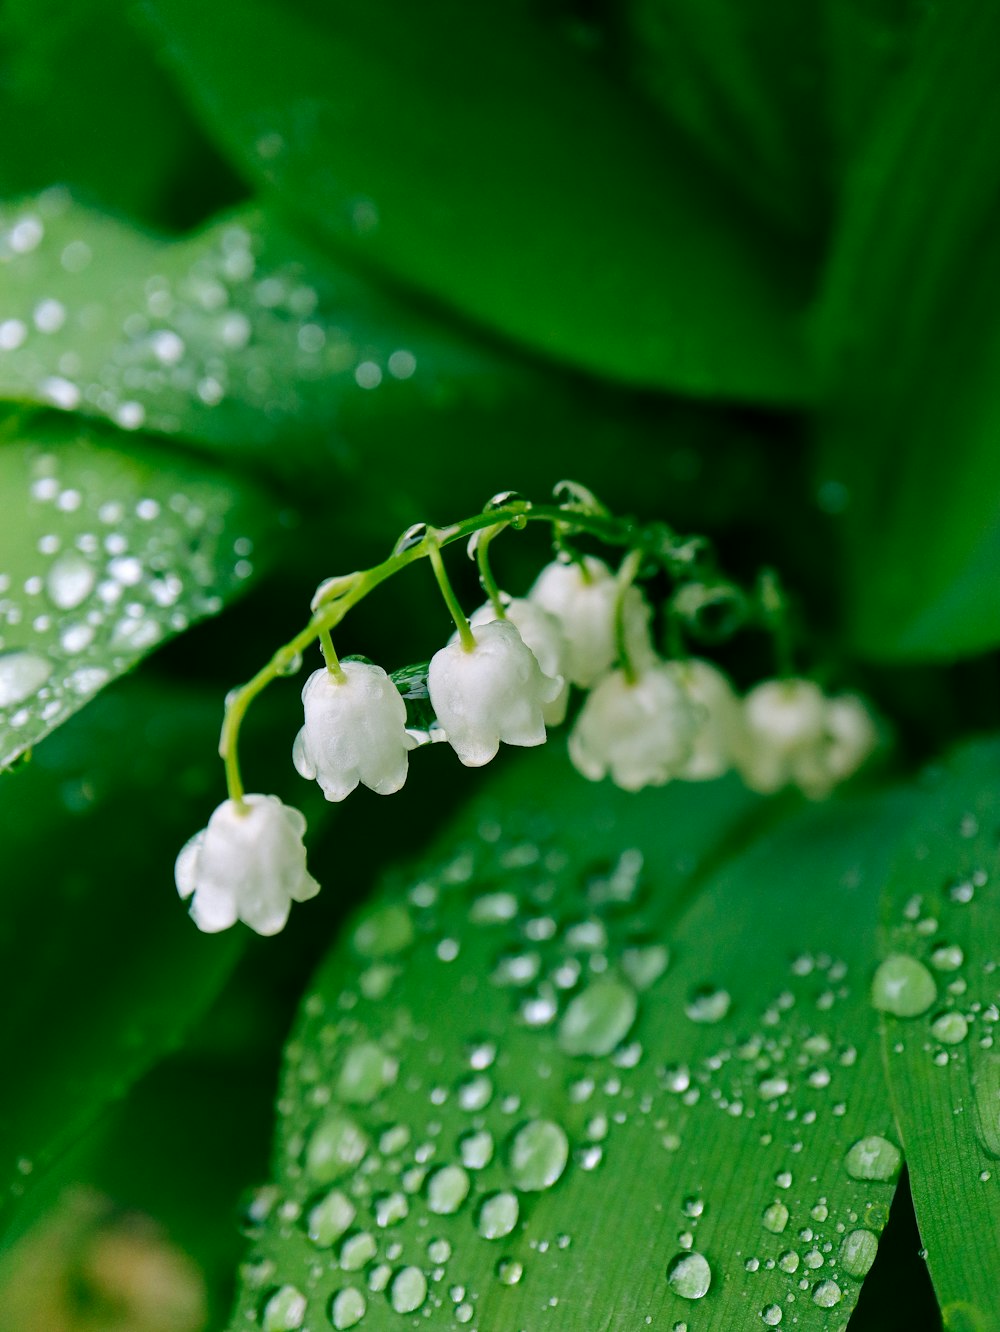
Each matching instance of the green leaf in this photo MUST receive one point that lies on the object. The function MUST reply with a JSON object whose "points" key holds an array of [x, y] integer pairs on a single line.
{"points": [[938, 990], [590, 1058], [101, 971], [104, 553], [477, 156], [86, 56], [909, 323], [775, 95], [236, 337]]}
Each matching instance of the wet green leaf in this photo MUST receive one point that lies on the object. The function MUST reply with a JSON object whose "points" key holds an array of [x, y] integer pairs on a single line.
{"points": [[101, 971], [105, 553], [942, 917], [479, 157], [910, 326], [627, 1069]]}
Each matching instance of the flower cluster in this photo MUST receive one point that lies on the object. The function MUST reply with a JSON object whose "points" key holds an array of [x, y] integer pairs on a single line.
{"points": [[504, 677]]}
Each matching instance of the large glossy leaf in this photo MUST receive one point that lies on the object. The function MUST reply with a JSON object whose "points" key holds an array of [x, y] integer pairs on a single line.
{"points": [[938, 990], [101, 971], [911, 328], [104, 553], [476, 155], [237, 337], [594, 1063], [777, 95]]}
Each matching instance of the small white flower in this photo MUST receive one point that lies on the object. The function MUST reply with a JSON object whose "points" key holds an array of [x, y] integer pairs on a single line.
{"points": [[495, 691], [542, 633], [249, 864], [355, 731], [851, 736], [718, 717], [583, 601], [641, 732]]}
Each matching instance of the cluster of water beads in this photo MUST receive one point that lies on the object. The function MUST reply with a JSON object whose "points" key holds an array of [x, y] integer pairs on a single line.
{"points": [[181, 330], [379, 1200], [119, 563]]}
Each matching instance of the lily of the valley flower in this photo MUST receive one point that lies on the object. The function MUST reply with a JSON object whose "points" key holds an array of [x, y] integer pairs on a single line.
{"points": [[542, 633], [249, 864], [718, 715], [355, 731], [492, 692], [640, 732], [583, 598], [850, 737]]}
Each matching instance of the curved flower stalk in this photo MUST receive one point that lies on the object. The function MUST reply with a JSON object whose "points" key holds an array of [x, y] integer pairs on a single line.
{"points": [[354, 732], [641, 732], [249, 864], [494, 691]]}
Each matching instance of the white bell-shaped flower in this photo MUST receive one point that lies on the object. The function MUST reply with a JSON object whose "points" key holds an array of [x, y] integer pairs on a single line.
{"points": [[583, 598], [492, 692], [851, 736], [784, 735], [541, 633], [640, 732], [355, 731], [718, 713], [249, 864]]}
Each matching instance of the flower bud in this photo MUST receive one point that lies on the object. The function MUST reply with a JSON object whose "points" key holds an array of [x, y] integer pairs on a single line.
{"points": [[249, 864], [492, 692], [355, 731]]}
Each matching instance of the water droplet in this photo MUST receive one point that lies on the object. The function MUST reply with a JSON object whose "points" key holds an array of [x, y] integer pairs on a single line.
{"points": [[708, 1004], [948, 957], [329, 1219], [347, 1308], [447, 1189], [773, 1085], [645, 964], [510, 1271], [771, 1315], [775, 1218], [538, 1155], [903, 986], [408, 1290], [857, 1252], [384, 932], [70, 581], [357, 1250], [337, 1145], [950, 1028], [21, 675], [284, 1311], [873, 1157], [693, 1206], [390, 1209], [476, 1150], [826, 1294], [986, 1086], [789, 1261], [475, 1094], [410, 538], [598, 1018], [689, 1275], [367, 1070], [498, 1215]]}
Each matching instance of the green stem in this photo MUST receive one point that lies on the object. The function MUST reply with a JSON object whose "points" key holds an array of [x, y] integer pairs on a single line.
{"points": [[490, 586], [330, 657], [465, 633], [626, 577]]}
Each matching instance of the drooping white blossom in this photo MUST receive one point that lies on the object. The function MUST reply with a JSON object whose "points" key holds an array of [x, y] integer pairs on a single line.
{"points": [[542, 633], [355, 731], [249, 864], [851, 736], [718, 714], [784, 724], [583, 599], [640, 732], [495, 691]]}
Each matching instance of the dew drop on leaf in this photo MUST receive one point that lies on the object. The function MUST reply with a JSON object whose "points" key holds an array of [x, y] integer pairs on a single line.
{"points": [[598, 1018], [408, 1290], [538, 1155], [689, 1275], [857, 1253], [498, 1215], [873, 1158], [347, 1308], [903, 986], [21, 675]]}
